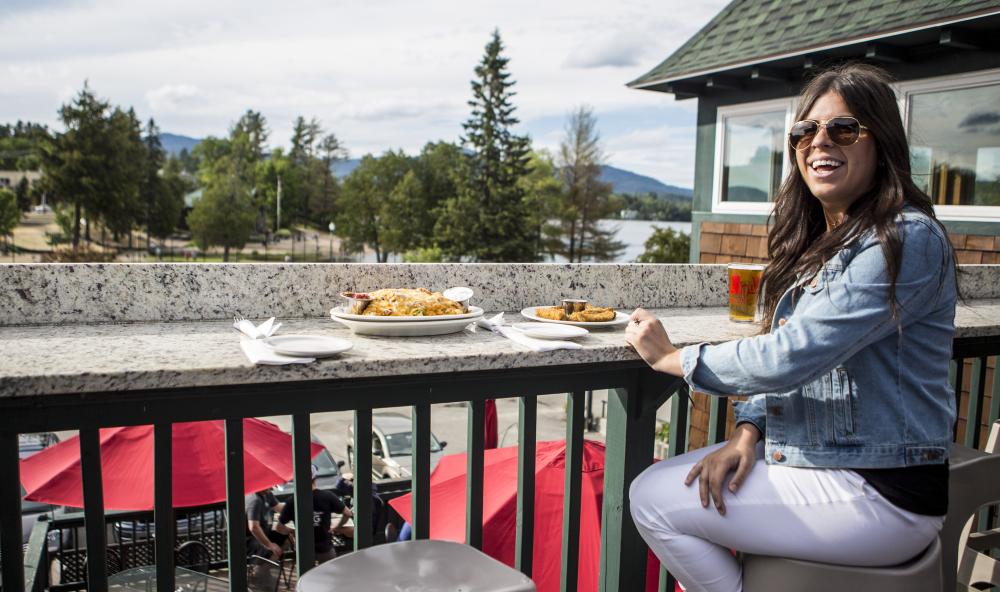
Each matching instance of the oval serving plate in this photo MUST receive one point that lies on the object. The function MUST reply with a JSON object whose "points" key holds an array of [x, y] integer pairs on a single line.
{"points": [[405, 329], [311, 346], [620, 319], [339, 313]]}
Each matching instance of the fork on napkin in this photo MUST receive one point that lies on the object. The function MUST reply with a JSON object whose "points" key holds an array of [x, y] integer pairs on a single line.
{"points": [[254, 348], [496, 325]]}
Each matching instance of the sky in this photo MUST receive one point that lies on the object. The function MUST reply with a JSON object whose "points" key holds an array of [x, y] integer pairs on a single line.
{"points": [[381, 75]]}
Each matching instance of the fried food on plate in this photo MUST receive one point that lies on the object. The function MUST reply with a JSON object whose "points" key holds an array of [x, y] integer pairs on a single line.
{"points": [[590, 314], [407, 302], [553, 313], [594, 314]]}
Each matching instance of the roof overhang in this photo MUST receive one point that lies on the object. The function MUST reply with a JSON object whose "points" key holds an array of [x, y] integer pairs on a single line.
{"points": [[974, 31]]}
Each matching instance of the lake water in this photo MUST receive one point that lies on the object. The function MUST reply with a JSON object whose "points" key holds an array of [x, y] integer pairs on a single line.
{"points": [[633, 233]]}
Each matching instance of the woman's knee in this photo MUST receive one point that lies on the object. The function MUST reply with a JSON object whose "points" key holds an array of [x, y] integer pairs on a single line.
{"points": [[651, 493]]}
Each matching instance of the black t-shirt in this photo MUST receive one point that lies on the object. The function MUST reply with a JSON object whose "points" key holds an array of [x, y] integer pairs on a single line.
{"points": [[324, 504], [921, 489]]}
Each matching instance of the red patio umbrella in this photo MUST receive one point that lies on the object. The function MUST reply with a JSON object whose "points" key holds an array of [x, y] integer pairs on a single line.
{"points": [[447, 519], [491, 432], [199, 465]]}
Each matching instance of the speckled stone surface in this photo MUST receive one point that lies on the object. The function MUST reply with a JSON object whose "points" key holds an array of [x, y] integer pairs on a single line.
{"points": [[40, 360], [92, 293], [95, 293]]}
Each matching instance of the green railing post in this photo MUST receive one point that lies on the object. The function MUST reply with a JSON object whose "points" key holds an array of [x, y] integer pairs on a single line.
{"points": [[163, 515], [474, 475], [525, 537], [573, 467], [629, 450], [362, 478], [236, 515], [420, 477], [93, 509], [305, 543], [10, 512]]}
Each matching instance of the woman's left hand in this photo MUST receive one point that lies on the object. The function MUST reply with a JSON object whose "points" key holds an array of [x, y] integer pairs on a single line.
{"points": [[646, 334]]}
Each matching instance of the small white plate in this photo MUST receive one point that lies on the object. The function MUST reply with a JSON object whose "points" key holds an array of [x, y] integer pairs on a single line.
{"points": [[340, 313], [309, 346], [542, 331], [620, 319]]}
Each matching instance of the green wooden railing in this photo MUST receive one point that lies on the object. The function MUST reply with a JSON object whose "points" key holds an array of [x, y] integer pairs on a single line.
{"points": [[636, 394]]}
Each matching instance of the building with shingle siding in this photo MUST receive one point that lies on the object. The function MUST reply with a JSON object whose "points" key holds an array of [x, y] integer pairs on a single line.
{"points": [[749, 63]]}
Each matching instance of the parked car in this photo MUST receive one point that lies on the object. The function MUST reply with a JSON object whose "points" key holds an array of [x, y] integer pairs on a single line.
{"points": [[392, 446], [327, 475]]}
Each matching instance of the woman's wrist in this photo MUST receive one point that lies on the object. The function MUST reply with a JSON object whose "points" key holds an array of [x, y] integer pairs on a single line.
{"points": [[746, 433], [670, 363]]}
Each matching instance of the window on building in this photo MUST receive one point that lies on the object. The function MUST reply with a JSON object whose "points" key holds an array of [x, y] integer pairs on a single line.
{"points": [[750, 155], [955, 144], [751, 168]]}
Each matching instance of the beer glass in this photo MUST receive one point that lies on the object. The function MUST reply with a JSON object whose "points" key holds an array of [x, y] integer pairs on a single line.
{"points": [[744, 286]]}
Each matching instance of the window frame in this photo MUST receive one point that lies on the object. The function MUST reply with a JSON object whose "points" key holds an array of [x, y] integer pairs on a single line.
{"points": [[905, 90], [725, 112]]}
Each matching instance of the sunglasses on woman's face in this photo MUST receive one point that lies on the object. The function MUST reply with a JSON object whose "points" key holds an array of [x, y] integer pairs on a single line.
{"points": [[842, 131]]}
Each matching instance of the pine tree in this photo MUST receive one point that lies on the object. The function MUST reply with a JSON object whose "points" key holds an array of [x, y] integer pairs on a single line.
{"points": [[152, 185], [489, 220]]}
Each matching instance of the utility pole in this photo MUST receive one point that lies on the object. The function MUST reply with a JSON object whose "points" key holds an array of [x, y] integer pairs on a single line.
{"points": [[278, 223]]}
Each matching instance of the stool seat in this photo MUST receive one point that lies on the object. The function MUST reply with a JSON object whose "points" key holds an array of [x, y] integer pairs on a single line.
{"points": [[415, 566], [922, 574]]}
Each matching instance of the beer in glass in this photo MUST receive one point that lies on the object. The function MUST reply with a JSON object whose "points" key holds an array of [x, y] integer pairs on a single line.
{"points": [[744, 286]]}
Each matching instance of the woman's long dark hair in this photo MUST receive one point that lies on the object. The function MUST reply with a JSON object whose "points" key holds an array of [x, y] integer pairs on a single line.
{"points": [[798, 243]]}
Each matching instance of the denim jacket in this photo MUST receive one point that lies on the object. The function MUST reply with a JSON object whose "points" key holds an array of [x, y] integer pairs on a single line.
{"points": [[843, 384]]}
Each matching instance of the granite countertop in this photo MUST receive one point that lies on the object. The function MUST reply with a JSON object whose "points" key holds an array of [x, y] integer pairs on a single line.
{"points": [[51, 359]]}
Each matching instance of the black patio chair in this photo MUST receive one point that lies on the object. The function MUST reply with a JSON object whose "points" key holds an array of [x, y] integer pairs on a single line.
{"points": [[263, 574], [112, 562], [193, 555]]}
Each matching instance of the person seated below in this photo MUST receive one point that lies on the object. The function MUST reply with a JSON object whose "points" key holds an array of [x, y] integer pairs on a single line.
{"points": [[325, 505], [262, 540]]}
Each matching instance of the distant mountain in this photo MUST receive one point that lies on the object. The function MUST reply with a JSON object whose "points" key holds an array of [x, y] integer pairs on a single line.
{"points": [[173, 143], [624, 181]]}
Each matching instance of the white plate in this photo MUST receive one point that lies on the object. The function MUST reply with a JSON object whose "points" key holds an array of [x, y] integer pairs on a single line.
{"points": [[549, 331], [405, 329], [620, 319], [309, 346], [339, 313]]}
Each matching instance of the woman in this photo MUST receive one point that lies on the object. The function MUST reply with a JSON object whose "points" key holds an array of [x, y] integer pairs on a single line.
{"points": [[841, 453]]}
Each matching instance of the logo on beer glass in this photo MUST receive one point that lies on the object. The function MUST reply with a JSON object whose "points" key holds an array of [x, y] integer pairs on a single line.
{"points": [[744, 287]]}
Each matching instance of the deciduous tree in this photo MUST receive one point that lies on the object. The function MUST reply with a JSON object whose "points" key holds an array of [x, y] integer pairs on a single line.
{"points": [[10, 214], [587, 198], [666, 246]]}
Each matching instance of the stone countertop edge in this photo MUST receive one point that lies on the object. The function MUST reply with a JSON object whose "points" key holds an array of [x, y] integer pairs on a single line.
{"points": [[58, 359]]}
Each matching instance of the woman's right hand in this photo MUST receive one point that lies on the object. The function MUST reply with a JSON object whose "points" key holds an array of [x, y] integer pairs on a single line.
{"points": [[737, 455]]}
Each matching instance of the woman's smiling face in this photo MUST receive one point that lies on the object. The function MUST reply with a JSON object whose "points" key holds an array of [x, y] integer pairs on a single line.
{"points": [[836, 175]]}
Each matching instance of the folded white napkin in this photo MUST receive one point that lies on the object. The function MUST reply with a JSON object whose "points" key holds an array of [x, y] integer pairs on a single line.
{"points": [[265, 329], [258, 352], [495, 324]]}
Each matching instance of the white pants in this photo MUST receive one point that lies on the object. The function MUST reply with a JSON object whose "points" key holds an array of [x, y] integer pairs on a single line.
{"points": [[829, 515]]}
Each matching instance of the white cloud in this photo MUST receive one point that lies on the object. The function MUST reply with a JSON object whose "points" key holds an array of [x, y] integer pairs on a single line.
{"points": [[617, 50], [390, 74], [173, 97]]}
